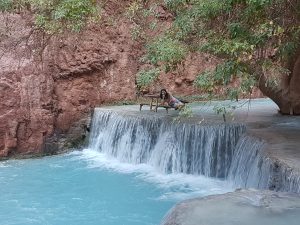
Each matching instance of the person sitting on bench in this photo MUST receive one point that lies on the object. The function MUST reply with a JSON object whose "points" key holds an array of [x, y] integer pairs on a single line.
{"points": [[170, 100]]}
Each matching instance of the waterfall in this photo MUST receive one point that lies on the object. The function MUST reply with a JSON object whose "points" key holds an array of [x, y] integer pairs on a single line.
{"points": [[169, 147], [215, 150], [253, 167], [287, 179], [249, 167]]}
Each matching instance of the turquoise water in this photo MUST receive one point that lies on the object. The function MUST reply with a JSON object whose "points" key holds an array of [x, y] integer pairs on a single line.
{"points": [[89, 188]]}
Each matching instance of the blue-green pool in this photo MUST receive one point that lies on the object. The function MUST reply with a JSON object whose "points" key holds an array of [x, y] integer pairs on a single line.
{"points": [[86, 187]]}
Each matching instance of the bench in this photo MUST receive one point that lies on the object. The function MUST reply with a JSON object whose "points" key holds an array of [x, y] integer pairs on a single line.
{"points": [[156, 107], [154, 103]]}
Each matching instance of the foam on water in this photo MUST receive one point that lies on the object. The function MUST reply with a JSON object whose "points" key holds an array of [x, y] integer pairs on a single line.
{"points": [[177, 186]]}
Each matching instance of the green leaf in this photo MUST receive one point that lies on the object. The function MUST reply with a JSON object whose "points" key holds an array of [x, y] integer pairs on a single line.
{"points": [[146, 77]]}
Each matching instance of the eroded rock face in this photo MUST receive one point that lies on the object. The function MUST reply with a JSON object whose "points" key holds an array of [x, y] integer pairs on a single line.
{"points": [[247, 207], [49, 84], [49, 95]]}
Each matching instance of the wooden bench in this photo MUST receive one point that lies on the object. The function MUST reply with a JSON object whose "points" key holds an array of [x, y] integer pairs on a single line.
{"points": [[154, 103], [155, 107]]}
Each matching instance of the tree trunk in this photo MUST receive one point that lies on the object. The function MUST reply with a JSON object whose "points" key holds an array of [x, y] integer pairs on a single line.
{"points": [[294, 88], [288, 96], [279, 96]]}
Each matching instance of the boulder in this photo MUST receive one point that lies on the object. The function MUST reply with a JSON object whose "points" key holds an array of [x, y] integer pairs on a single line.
{"points": [[242, 207]]}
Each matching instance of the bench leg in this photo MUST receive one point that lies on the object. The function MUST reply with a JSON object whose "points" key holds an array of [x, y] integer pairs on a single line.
{"points": [[224, 117], [141, 105], [156, 105], [151, 104]]}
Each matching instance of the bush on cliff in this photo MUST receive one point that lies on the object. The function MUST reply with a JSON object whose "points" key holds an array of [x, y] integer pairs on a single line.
{"points": [[55, 16]]}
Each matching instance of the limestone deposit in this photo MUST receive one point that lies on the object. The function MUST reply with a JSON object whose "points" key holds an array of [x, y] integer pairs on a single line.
{"points": [[240, 207]]}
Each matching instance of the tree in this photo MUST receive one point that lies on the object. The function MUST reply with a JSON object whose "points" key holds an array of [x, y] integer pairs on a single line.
{"points": [[256, 40]]}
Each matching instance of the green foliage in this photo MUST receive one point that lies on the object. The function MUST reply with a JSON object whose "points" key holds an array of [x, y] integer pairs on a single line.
{"points": [[220, 109], [275, 71], [205, 81], [236, 30], [146, 77], [208, 9], [166, 51], [249, 35], [258, 4], [183, 26], [225, 110], [224, 72], [176, 5], [233, 93], [6, 5], [223, 75], [287, 49], [136, 32], [56, 16], [251, 38], [248, 84], [133, 9], [184, 113], [153, 25], [64, 14], [140, 16], [231, 48]]}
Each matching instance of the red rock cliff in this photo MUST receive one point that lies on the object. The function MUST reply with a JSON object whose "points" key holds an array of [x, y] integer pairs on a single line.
{"points": [[46, 96], [49, 87]]}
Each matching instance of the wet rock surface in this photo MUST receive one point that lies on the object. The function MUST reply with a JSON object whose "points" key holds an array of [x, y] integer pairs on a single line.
{"points": [[242, 207]]}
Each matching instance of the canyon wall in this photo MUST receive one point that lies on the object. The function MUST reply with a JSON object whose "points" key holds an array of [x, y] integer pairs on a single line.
{"points": [[50, 84]]}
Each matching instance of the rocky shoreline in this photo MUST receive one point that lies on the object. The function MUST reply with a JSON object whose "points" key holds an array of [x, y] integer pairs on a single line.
{"points": [[245, 207]]}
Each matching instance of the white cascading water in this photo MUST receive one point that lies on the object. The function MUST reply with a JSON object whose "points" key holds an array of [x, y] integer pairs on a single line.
{"points": [[249, 167], [214, 150], [169, 147], [252, 167]]}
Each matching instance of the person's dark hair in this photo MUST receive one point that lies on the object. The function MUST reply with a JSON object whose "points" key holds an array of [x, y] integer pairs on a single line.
{"points": [[166, 96]]}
